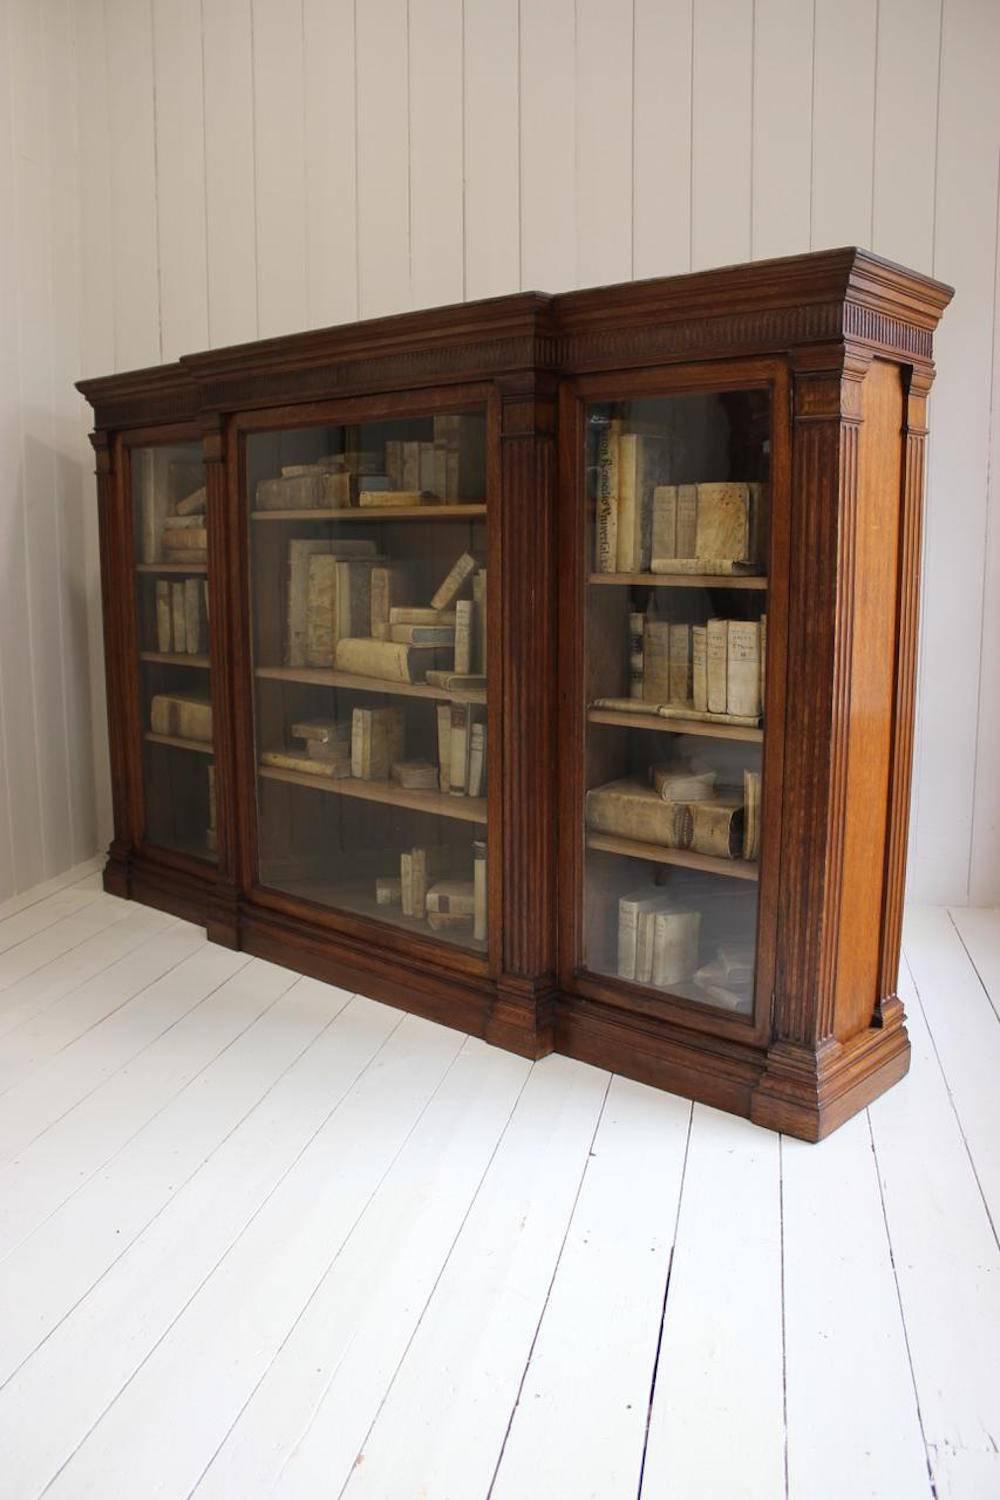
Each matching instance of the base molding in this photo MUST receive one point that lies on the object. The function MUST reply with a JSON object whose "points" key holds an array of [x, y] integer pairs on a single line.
{"points": [[808, 1092], [522, 1019], [210, 902]]}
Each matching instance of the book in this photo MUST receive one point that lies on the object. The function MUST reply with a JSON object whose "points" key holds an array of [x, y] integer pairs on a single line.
{"points": [[463, 635], [300, 489], [699, 667], [458, 775], [444, 746], [416, 867], [184, 539], [632, 809], [194, 622], [338, 604], [763, 661], [477, 760], [451, 586], [458, 897], [414, 775], [656, 661], [743, 668], [421, 616], [427, 479], [723, 525], [636, 625], [606, 497], [157, 478], [681, 711], [389, 589], [423, 635], [409, 478], [644, 948], [641, 457], [390, 661], [751, 814], [716, 665], [194, 504], [181, 715], [292, 760], [679, 675], [631, 907], [376, 742], [388, 499], [479, 632], [724, 567], [677, 785], [717, 827], [388, 888], [394, 462], [161, 714], [164, 617], [327, 740], [728, 978], [687, 522], [664, 534], [300, 550], [178, 616], [480, 892], [456, 682], [675, 946]]}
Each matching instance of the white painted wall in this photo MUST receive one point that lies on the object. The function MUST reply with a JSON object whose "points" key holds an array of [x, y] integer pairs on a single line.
{"points": [[256, 166]]}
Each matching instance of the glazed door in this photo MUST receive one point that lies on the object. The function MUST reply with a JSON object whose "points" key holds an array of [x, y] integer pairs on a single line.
{"points": [[368, 548], [674, 498]]}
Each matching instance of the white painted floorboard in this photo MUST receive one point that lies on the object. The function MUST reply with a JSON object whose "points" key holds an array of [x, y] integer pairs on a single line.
{"points": [[262, 1238]]}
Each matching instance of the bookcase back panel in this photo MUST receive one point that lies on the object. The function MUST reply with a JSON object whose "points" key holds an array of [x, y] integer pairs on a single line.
{"points": [[368, 548], [677, 501], [870, 540], [171, 589]]}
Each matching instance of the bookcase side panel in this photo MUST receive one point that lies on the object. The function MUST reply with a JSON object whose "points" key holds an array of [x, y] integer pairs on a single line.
{"points": [[872, 623], [111, 528]]}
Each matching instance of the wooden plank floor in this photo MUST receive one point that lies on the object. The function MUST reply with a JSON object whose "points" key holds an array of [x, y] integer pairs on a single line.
{"points": [[259, 1236]]}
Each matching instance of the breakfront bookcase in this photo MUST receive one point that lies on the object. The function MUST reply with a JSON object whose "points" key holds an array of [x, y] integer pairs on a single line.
{"points": [[543, 665]]}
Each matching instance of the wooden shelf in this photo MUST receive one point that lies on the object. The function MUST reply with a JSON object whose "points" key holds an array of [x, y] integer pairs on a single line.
{"points": [[440, 804], [328, 677], [176, 659], [674, 726], [682, 580], [202, 747], [735, 869], [378, 513], [171, 567], [361, 903]]}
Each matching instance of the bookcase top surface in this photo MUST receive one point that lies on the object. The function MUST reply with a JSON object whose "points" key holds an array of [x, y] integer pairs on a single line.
{"points": [[765, 305]]}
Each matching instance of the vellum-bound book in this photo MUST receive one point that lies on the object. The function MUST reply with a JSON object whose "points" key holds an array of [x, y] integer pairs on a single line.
{"points": [[743, 668], [376, 742], [679, 785], [388, 660], [453, 583], [456, 897], [300, 552], [414, 775], [675, 946], [632, 810], [631, 909], [717, 827], [309, 765], [180, 715]]}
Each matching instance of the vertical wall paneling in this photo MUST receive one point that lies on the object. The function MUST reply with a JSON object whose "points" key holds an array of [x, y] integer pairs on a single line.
{"points": [[39, 639], [230, 187], [492, 168], [331, 203], [604, 137], [984, 868], [548, 146], [71, 453], [721, 131], [132, 152], [437, 231], [383, 157], [279, 135], [180, 175], [965, 242], [661, 231], [843, 122], [782, 127], [909, 34]]}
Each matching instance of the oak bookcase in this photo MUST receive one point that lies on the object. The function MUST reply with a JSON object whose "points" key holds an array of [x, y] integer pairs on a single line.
{"points": [[581, 452]]}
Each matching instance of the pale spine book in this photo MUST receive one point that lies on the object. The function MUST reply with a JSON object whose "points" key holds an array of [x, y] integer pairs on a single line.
{"points": [[664, 543], [297, 599], [743, 668], [723, 522], [480, 891], [630, 909], [716, 656], [463, 635], [477, 760], [388, 890], [308, 764], [459, 741], [632, 809], [606, 497], [479, 598], [423, 635], [193, 623], [452, 585], [675, 946], [444, 746], [717, 827], [679, 680], [178, 611], [386, 660], [699, 668], [656, 661], [687, 521], [164, 620], [376, 742]]}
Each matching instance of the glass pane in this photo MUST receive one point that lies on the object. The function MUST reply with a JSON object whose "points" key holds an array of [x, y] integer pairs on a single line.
{"points": [[368, 548], [678, 514], [171, 552]]}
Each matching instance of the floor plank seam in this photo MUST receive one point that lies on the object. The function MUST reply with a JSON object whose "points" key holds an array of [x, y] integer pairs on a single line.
{"points": [[46, 895], [663, 1307], [430, 1295], [233, 1242], [130, 1062], [59, 917], [164, 1206], [972, 963], [548, 1289], [931, 1477], [952, 1101], [333, 1261]]}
